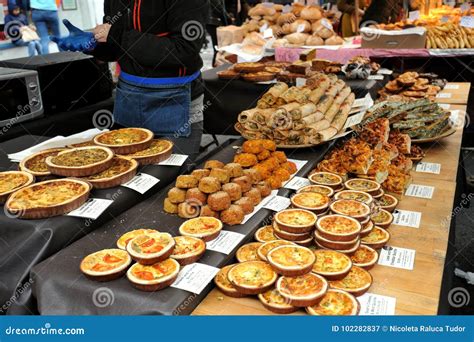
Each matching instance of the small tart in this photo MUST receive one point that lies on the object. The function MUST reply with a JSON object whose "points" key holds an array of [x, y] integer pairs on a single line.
{"points": [[188, 249], [249, 67], [388, 202], [302, 291], [305, 243], [296, 221], [248, 252], [377, 238], [331, 264], [262, 76], [378, 194], [153, 277], [335, 303], [365, 257], [252, 277], [355, 195], [80, 162], [150, 248], [125, 140], [11, 181], [367, 228], [158, 151], [121, 171], [320, 189], [382, 218], [265, 234], [365, 185], [344, 251], [281, 234], [264, 249], [123, 241], [355, 209], [336, 245], [36, 163], [291, 261], [357, 282], [326, 178], [205, 228], [338, 227], [223, 283], [106, 265], [273, 301], [312, 201], [82, 144]]}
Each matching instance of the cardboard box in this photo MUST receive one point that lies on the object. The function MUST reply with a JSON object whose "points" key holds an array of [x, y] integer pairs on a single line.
{"points": [[414, 38]]}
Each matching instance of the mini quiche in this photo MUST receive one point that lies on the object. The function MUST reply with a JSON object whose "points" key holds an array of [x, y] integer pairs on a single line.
{"points": [[336, 245], [382, 218], [365, 257], [312, 201], [125, 140], [11, 181], [291, 261], [188, 249], [326, 178], [121, 171], [355, 195], [248, 252], [338, 228], [331, 265], [335, 303], [378, 194], [320, 189], [264, 249], [159, 150], [355, 209], [123, 241], [365, 185], [36, 163], [150, 248], [281, 234], [205, 228], [344, 251], [297, 221], [223, 283], [377, 238], [80, 162], [357, 282], [106, 265], [273, 301], [302, 291], [388, 202], [252, 277], [153, 277], [265, 234], [367, 228], [48, 198]]}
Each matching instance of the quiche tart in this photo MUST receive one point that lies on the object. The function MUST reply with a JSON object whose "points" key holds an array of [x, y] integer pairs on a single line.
{"points": [[265, 234], [150, 248], [302, 291], [378, 194], [48, 198], [320, 189], [120, 171], [153, 277], [125, 140], [223, 283], [296, 221], [355, 209], [326, 178], [377, 238], [305, 243], [82, 144], [382, 218], [313, 201], [80, 162], [336, 245], [248, 252], [365, 185], [273, 301], [123, 241], [331, 265], [36, 163], [335, 303], [356, 196], [262, 76], [264, 249], [357, 282], [367, 228], [344, 251], [365, 257], [388, 202], [205, 228], [11, 181], [249, 67], [252, 277], [338, 228], [281, 234], [158, 151], [291, 261], [106, 265], [188, 249]]}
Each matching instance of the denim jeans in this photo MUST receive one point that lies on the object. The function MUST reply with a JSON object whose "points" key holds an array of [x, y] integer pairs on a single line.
{"points": [[45, 21], [33, 46]]}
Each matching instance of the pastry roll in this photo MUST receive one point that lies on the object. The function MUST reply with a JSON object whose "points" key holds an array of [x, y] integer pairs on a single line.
{"points": [[196, 196], [188, 210], [219, 201]]}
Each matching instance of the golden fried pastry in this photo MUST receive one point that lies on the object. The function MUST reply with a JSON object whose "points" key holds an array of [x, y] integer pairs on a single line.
{"points": [[252, 146], [219, 201], [265, 154], [176, 195], [255, 195], [246, 159], [269, 145], [265, 189], [246, 204], [195, 195], [290, 167], [209, 185], [274, 182], [281, 156], [200, 173], [235, 170], [245, 183], [208, 212], [211, 164], [254, 175], [222, 175], [283, 174], [271, 163], [186, 182], [170, 208], [233, 215], [188, 210], [264, 171], [233, 190]]}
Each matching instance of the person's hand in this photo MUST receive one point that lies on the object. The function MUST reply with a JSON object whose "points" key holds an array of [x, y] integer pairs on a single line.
{"points": [[101, 32], [361, 12], [77, 40]]}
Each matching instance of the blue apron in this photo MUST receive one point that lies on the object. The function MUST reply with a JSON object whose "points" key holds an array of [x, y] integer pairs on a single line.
{"points": [[159, 104]]}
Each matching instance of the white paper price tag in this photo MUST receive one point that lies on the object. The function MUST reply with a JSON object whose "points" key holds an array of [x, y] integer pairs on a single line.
{"points": [[278, 203], [92, 209], [397, 257], [263, 27], [384, 71], [174, 160], [268, 33], [444, 95], [376, 305], [297, 183], [454, 117], [465, 7], [407, 218], [467, 21], [451, 86], [414, 15], [445, 106], [300, 28], [326, 24], [142, 182], [366, 101], [420, 191], [300, 82], [376, 77], [259, 206], [195, 277], [225, 242], [434, 168], [354, 120]]}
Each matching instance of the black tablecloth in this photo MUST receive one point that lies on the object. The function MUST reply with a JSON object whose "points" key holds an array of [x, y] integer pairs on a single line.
{"points": [[224, 100], [61, 289]]}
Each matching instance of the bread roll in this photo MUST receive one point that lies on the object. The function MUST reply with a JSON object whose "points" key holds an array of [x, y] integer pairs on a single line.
{"points": [[233, 215], [219, 201], [322, 31], [297, 38], [233, 190], [311, 13], [280, 43], [254, 38], [222, 175], [245, 183], [210, 164], [170, 208], [196, 196], [246, 204], [176, 195], [235, 170], [200, 173], [304, 24], [252, 49], [334, 40], [186, 182], [314, 41], [254, 195], [209, 185]]}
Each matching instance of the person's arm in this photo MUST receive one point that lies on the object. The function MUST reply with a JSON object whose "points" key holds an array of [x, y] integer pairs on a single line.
{"points": [[345, 7]]}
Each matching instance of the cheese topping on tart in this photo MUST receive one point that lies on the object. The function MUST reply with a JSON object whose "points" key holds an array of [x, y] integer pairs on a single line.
{"points": [[310, 199], [320, 189], [328, 261], [155, 273], [38, 162], [105, 261], [325, 178], [376, 235], [274, 298], [355, 195], [265, 234], [252, 274], [296, 217], [248, 252], [11, 181], [119, 166], [302, 286], [338, 224], [201, 225], [124, 136], [350, 208], [335, 303], [291, 256], [151, 243], [362, 185], [186, 246], [382, 216], [80, 157], [222, 279], [356, 279], [123, 241], [157, 146], [364, 255], [268, 246], [387, 200]]}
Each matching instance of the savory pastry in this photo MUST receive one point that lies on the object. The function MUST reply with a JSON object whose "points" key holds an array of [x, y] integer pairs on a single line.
{"points": [[228, 74], [123, 241], [169, 207], [264, 188], [248, 252], [265, 234], [36, 163], [219, 201], [325, 178], [150, 248], [186, 182], [246, 159], [338, 228], [121, 171], [222, 175], [153, 277], [176, 195], [296, 221], [246, 203], [364, 185], [320, 189], [233, 215], [273, 301], [291, 261], [264, 249], [377, 238], [382, 218], [387, 202], [209, 185], [159, 150], [212, 164], [262, 76], [252, 277], [283, 174], [254, 195], [367, 228], [331, 265], [365, 257], [208, 212], [195, 195], [233, 190], [254, 175], [205, 228], [105, 265], [234, 169], [274, 182], [352, 208], [245, 183], [265, 154], [335, 303], [188, 249], [125, 140], [357, 282], [312, 201], [11, 181], [225, 286], [188, 210], [249, 67], [355, 195], [302, 291], [200, 173], [342, 246]]}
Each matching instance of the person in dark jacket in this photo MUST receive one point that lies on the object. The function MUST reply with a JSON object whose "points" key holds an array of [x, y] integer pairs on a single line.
{"points": [[157, 45], [348, 9], [382, 12], [15, 22]]}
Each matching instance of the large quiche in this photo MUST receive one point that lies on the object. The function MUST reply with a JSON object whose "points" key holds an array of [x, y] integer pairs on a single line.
{"points": [[36, 163], [188, 249], [106, 265], [291, 261], [153, 277], [11, 181], [338, 227], [296, 221], [205, 228], [123, 241], [248, 252], [223, 283], [252, 277], [335, 303], [272, 300], [158, 151], [150, 248], [302, 291], [125, 140], [331, 264], [121, 171], [357, 282]]}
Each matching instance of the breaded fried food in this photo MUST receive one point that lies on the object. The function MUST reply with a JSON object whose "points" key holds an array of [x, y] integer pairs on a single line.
{"points": [[233, 215], [290, 167], [176, 195], [281, 156], [245, 183], [246, 204], [219, 201], [200, 173], [170, 208], [235, 170], [211, 164], [246, 159], [271, 163], [283, 174], [269, 145], [186, 182], [209, 185], [222, 175], [254, 175], [265, 154], [234, 190], [252, 146], [274, 182]]}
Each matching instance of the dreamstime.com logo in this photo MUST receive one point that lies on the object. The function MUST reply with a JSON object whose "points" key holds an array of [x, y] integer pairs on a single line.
{"points": [[459, 297], [192, 30], [103, 297], [12, 30], [103, 119], [368, 36], [47, 329]]}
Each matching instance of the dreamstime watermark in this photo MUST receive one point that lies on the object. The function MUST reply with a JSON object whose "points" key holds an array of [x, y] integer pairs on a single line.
{"points": [[12, 30], [14, 213], [194, 118], [192, 30], [459, 297], [184, 305], [21, 111], [466, 199], [461, 120], [47, 329], [103, 297], [369, 36], [103, 119], [19, 291]]}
